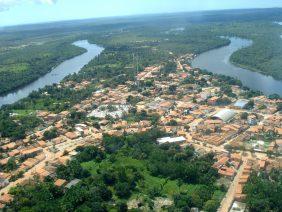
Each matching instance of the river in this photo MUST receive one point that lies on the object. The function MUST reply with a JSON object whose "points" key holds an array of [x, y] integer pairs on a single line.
{"points": [[218, 61], [67, 67]]}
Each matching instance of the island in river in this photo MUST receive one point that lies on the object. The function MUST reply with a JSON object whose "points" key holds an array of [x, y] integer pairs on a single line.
{"points": [[70, 66]]}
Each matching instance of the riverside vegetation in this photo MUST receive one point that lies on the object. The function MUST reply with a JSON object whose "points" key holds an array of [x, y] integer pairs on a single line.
{"points": [[132, 163], [26, 55]]}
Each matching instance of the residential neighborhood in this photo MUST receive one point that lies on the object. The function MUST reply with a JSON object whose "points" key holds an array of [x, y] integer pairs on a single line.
{"points": [[243, 135]]}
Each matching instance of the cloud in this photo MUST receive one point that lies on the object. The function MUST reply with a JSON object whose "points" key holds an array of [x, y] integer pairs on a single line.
{"points": [[46, 1], [7, 4]]}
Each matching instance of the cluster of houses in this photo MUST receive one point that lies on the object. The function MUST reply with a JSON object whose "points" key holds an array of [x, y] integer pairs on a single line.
{"points": [[227, 164], [188, 113], [219, 128]]}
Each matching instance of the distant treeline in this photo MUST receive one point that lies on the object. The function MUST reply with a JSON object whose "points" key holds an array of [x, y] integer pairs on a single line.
{"points": [[27, 53]]}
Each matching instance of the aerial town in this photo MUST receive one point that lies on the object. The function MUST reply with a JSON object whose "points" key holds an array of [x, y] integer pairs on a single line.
{"points": [[245, 134]]}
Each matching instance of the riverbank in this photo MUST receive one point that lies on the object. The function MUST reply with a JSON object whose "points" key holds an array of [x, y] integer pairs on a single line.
{"points": [[22, 66], [57, 74], [218, 61], [253, 69], [37, 77]]}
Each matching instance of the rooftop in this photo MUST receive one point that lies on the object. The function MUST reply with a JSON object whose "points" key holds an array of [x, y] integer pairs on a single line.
{"points": [[241, 103], [171, 140], [225, 115]]}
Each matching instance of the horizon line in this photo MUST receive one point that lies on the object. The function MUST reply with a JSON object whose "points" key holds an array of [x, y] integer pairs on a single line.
{"points": [[129, 15]]}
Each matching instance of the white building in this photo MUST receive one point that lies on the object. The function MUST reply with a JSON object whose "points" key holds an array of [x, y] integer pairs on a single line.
{"points": [[164, 140], [115, 111], [241, 103], [225, 115]]}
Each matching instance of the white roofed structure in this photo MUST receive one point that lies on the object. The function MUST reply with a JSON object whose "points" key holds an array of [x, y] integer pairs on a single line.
{"points": [[225, 115], [164, 140], [241, 103]]}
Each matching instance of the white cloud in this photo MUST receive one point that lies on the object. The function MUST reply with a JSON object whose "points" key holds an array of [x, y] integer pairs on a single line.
{"points": [[46, 1], [7, 4]]}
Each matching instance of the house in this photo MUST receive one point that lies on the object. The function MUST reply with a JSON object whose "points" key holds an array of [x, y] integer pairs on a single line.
{"points": [[42, 143], [71, 135], [29, 163], [239, 196], [31, 152], [63, 160], [6, 198], [271, 146], [52, 117], [244, 179], [3, 182], [4, 161], [226, 172], [195, 210], [279, 131], [59, 140], [238, 207], [254, 129], [236, 157], [279, 145], [9, 146], [65, 113], [213, 100], [13, 153], [60, 182], [262, 164], [2, 206], [42, 173], [42, 114]]}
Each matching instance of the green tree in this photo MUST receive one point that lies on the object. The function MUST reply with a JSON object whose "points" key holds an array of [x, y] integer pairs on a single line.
{"points": [[50, 134], [279, 107], [172, 89], [244, 116], [12, 164], [122, 189], [211, 206]]}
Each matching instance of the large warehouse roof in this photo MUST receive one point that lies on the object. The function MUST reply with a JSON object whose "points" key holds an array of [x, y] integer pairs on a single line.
{"points": [[225, 115]]}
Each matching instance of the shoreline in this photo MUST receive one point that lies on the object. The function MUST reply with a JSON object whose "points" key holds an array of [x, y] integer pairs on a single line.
{"points": [[218, 65], [63, 68]]}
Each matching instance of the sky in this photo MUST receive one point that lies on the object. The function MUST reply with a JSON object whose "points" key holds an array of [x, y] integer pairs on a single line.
{"points": [[16, 12]]}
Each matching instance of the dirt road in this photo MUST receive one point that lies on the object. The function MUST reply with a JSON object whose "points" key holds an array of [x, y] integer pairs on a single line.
{"points": [[227, 202]]}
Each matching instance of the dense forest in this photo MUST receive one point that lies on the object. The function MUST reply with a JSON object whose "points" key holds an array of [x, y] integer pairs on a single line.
{"points": [[22, 65], [264, 192], [132, 167]]}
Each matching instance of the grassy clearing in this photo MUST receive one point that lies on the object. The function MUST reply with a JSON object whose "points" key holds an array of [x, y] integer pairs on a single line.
{"points": [[22, 113]]}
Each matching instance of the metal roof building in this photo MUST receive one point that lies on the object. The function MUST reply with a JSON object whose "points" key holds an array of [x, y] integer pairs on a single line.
{"points": [[225, 115], [241, 103], [171, 140]]}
